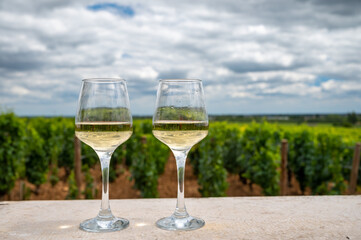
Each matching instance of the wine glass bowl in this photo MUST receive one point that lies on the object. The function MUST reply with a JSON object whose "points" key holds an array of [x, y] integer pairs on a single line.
{"points": [[180, 121], [103, 121]]}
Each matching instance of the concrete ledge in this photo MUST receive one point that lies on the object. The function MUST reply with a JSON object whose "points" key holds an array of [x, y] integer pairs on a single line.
{"points": [[312, 217]]}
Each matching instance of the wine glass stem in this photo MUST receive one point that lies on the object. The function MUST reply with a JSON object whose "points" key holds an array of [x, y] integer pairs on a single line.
{"points": [[180, 157], [104, 163]]}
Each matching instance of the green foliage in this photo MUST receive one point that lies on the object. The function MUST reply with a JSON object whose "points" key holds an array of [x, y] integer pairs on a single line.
{"points": [[301, 150], [212, 176], [36, 163], [47, 129], [325, 168], [73, 189], [117, 159], [89, 192], [105, 114], [54, 179], [320, 161], [89, 156], [252, 152], [27, 192], [329, 119], [319, 157], [112, 171], [66, 142], [207, 159], [130, 148], [346, 162], [260, 157], [148, 159], [58, 135], [352, 118], [232, 151], [145, 126], [232, 154], [181, 113], [12, 150]]}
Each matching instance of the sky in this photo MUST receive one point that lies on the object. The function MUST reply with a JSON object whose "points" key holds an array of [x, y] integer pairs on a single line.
{"points": [[254, 57]]}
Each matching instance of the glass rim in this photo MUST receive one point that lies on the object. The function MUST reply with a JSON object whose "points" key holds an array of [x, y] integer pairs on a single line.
{"points": [[180, 80], [104, 80]]}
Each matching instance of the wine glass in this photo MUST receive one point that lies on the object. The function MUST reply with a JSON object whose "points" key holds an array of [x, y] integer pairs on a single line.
{"points": [[180, 121], [103, 121]]}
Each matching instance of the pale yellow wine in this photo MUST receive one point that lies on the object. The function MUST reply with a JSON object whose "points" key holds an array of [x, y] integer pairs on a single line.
{"points": [[103, 136], [180, 135]]}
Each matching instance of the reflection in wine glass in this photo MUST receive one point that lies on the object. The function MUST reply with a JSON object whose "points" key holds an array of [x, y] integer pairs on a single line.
{"points": [[103, 121], [180, 121]]}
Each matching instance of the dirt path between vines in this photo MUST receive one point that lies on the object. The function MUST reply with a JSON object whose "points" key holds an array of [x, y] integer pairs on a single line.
{"points": [[122, 187]]}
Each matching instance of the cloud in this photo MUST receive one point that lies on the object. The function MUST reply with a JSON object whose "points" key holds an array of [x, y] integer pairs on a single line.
{"points": [[21, 61], [249, 66], [173, 73], [255, 57]]}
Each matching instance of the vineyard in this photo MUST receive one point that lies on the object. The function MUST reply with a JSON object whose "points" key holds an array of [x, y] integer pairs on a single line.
{"points": [[35, 150]]}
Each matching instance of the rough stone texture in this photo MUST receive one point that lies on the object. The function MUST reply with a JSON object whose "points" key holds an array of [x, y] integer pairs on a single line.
{"points": [[312, 217]]}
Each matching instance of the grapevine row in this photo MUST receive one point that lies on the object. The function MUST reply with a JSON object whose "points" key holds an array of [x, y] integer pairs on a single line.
{"points": [[320, 159]]}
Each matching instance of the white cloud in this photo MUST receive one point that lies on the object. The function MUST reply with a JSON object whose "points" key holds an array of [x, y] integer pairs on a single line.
{"points": [[341, 87], [249, 54], [285, 76], [296, 89], [17, 90]]}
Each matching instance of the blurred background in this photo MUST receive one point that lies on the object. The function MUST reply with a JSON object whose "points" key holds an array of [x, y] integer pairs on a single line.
{"points": [[271, 70]]}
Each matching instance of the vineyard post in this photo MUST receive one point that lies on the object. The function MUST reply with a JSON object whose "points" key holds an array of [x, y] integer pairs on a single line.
{"points": [[143, 140], [284, 149], [21, 190], [77, 163], [355, 167]]}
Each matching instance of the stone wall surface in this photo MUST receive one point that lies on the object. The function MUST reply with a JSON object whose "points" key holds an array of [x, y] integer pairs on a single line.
{"points": [[305, 217]]}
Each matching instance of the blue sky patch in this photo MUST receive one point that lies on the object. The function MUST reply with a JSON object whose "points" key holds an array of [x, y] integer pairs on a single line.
{"points": [[320, 79], [113, 8], [126, 55]]}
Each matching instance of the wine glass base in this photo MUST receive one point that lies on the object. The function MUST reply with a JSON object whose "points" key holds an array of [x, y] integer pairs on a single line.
{"points": [[173, 223], [100, 225]]}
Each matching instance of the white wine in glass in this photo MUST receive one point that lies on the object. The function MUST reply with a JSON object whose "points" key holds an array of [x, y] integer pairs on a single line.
{"points": [[103, 121], [180, 121], [103, 136], [180, 134]]}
